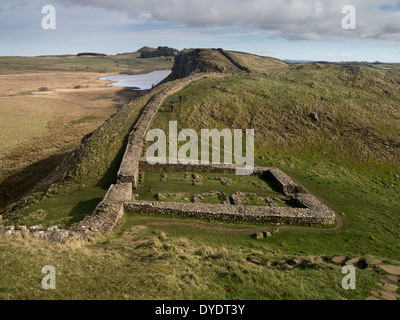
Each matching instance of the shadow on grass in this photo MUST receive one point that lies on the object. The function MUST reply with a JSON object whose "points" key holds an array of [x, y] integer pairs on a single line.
{"points": [[21, 182], [110, 176], [83, 209], [273, 185]]}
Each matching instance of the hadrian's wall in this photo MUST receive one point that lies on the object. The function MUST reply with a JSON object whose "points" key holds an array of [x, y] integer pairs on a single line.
{"points": [[129, 168], [234, 61], [108, 214], [146, 166]]}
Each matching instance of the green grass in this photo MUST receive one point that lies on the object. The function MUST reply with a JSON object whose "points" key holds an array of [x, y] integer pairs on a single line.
{"points": [[63, 209], [84, 120], [369, 210], [179, 262], [183, 183], [357, 120]]}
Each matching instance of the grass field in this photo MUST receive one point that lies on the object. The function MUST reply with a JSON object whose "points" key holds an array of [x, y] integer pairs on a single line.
{"points": [[176, 263], [182, 188], [70, 63]]}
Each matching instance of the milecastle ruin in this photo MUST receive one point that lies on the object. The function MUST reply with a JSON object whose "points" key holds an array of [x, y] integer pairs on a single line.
{"points": [[119, 199]]}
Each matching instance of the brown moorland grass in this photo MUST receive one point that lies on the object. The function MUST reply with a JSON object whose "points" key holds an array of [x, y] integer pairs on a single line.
{"points": [[37, 125]]}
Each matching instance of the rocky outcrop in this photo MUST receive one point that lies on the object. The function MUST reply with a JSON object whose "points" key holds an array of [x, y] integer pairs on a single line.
{"points": [[193, 61], [159, 52]]}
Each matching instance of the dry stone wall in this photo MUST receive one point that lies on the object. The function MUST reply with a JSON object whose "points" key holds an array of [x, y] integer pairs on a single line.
{"points": [[310, 211], [145, 166], [234, 61], [223, 212]]}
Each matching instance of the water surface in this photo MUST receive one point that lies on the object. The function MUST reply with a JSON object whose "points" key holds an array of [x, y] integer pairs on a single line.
{"points": [[138, 81]]}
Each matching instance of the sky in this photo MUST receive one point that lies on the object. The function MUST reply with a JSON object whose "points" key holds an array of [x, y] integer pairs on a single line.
{"points": [[285, 29]]}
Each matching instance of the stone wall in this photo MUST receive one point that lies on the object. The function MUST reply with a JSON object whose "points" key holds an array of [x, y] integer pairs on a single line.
{"points": [[234, 61], [223, 212], [310, 210], [282, 181], [108, 214], [129, 168], [145, 166]]}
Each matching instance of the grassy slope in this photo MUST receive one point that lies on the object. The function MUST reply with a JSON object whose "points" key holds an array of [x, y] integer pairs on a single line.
{"points": [[351, 162], [184, 264], [258, 64], [327, 157]]}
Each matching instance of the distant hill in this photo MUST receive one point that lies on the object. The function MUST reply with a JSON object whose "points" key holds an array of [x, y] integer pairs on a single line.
{"points": [[147, 52], [298, 61], [91, 54], [146, 49], [129, 62], [375, 65]]}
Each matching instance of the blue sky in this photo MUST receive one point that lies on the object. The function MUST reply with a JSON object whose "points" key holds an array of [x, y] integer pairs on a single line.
{"points": [[287, 29]]}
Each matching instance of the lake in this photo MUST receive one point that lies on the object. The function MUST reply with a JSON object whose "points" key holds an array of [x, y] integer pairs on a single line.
{"points": [[138, 81]]}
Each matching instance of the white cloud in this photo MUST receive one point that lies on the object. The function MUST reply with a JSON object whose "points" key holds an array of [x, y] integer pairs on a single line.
{"points": [[291, 19]]}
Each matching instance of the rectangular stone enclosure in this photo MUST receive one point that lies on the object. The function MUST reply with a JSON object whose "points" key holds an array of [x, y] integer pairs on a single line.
{"points": [[306, 209]]}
